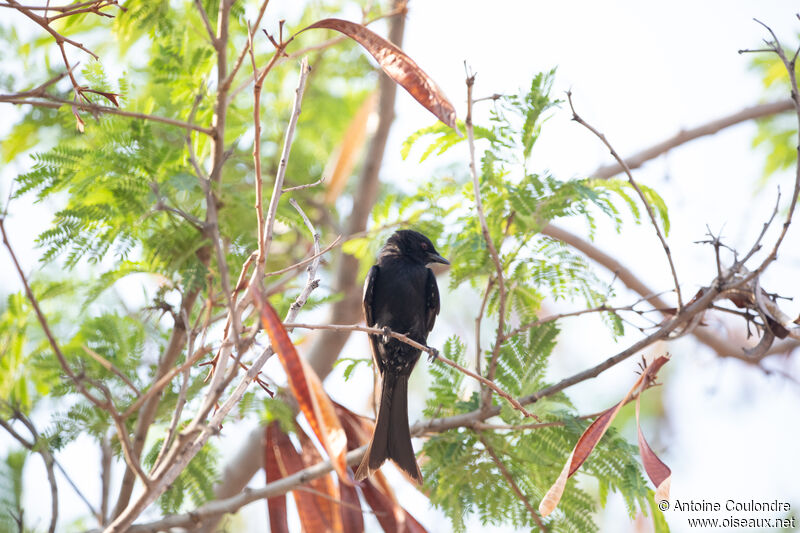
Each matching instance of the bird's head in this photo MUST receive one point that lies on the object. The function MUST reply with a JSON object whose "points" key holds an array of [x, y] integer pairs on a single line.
{"points": [[413, 245]]}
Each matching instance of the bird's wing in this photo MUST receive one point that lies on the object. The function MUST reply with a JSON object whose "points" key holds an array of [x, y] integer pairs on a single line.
{"points": [[431, 300], [369, 293]]}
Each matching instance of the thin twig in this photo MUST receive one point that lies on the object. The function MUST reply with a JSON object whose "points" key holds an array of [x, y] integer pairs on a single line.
{"points": [[638, 190], [427, 349], [162, 382], [47, 457], [55, 102], [775, 47], [247, 47], [305, 186], [206, 23], [191, 219], [257, 150], [78, 491], [284, 160], [108, 365], [176, 415], [498, 265], [76, 380], [45, 25], [199, 430], [38, 91], [552, 318], [757, 243], [478, 321], [307, 260], [510, 480], [684, 136]]}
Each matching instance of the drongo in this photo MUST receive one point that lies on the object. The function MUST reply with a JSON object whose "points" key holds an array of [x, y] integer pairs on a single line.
{"points": [[400, 294]]}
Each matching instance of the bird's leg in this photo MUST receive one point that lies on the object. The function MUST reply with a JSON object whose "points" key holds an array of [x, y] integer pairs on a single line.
{"points": [[433, 354]]}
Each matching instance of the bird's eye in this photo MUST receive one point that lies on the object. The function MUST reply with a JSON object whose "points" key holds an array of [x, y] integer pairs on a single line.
{"points": [[424, 246]]}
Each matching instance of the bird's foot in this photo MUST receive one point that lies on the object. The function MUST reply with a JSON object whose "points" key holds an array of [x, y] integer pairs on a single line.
{"points": [[387, 333], [433, 354]]}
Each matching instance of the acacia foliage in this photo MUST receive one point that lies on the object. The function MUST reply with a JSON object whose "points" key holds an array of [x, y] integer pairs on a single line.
{"points": [[114, 264], [110, 186], [461, 477]]}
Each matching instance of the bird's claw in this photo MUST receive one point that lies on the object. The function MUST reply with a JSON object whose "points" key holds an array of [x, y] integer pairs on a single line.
{"points": [[387, 333], [433, 355]]}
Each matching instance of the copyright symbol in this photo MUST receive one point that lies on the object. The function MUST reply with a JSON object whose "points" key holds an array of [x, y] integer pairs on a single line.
{"points": [[663, 505]]}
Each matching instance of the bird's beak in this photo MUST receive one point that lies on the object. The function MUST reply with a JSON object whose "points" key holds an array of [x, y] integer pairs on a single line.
{"points": [[436, 258]]}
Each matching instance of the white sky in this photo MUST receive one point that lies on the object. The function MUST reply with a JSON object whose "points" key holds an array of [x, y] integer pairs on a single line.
{"points": [[639, 72]]}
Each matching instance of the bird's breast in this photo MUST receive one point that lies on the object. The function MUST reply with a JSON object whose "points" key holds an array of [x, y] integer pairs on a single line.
{"points": [[399, 300]]}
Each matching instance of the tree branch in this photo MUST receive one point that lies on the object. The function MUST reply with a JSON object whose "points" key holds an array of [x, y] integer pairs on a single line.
{"points": [[47, 457], [54, 102], [684, 136], [436, 425], [199, 431], [633, 183], [722, 347], [432, 352], [775, 47], [287, 147], [486, 397]]}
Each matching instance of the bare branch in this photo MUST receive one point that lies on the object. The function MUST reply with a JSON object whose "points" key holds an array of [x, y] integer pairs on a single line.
{"points": [[498, 265], [257, 150], [199, 431], [432, 352], [636, 187], [78, 491], [44, 451], [247, 48], [684, 136], [55, 102], [288, 483], [722, 347], [552, 318], [206, 23], [304, 186], [45, 25], [76, 380], [287, 146], [162, 382], [202, 514], [176, 415], [775, 47], [307, 260], [478, 320], [105, 363]]}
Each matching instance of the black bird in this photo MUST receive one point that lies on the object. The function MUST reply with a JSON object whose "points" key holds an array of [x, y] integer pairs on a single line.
{"points": [[400, 293]]}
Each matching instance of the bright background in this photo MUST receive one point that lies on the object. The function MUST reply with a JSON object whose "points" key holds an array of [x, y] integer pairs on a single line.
{"points": [[639, 72]]}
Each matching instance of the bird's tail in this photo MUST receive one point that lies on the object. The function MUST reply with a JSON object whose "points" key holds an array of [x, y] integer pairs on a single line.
{"points": [[391, 439]]}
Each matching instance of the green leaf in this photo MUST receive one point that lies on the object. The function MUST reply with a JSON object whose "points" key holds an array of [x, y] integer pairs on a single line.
{"points": [[23, 137]]}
